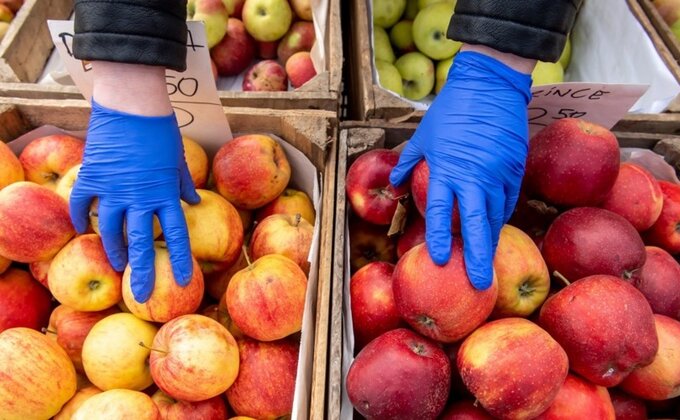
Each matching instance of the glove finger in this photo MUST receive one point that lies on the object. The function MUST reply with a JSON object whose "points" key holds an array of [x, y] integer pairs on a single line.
{"points": [[438, 220], [495, 205], [511, 197], [177, 239], [111, 231], [476, 231], [79, 208], [141, 253], [187, 190], [408, 158]]}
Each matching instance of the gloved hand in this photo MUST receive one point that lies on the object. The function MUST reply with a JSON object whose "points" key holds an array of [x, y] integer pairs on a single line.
{"points": [[135, 165], [474, 138]]}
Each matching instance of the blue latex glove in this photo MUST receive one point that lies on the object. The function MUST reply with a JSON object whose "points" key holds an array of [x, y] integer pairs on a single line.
{"points": [[135, 165], [474, 138]]}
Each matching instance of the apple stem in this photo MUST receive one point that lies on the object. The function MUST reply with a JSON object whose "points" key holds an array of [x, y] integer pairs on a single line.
{"points": [[47, 330], [141, 343], [245, 254], [298, 217], [561, 278]]}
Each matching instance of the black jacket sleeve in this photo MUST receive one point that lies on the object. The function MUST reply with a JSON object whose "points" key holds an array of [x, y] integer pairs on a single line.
{"points": [[151, 32], [529, 28]]}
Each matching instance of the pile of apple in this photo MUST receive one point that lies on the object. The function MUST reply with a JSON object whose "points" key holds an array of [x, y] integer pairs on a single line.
{"points": [[599, 339], [241, 32], [8, 9], [413, 54], [74, 343]]}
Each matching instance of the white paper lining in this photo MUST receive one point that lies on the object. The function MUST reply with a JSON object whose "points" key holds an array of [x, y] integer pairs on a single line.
{"points": [[609, 45], [304, 177]]}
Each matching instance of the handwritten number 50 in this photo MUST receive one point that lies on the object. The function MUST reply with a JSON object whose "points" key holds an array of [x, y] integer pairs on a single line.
{"points": [[187, 86]]}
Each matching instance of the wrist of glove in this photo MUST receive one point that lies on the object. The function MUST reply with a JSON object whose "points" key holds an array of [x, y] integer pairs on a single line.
{"points": [[135, 166], [474, 138]]}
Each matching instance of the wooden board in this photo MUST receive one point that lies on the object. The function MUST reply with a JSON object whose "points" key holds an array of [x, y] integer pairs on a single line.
{"points": [[357, 137], [26, 56], [369, 101], [312, 132], [28, 44]]}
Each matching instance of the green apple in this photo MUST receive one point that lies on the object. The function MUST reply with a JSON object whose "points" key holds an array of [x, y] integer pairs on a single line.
{"points": [[417, 73], [424, 3], [411, 9], [214, 15], [387, 12], [401, 36], [675, 28], [267, 20], [429, 31], [442, 73], [389, 77], [547, 73], [565, 58], [382, 48]]}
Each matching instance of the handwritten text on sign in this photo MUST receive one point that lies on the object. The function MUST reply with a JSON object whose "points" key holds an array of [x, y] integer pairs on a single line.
{"points": [[192, 92], [604, 104]]}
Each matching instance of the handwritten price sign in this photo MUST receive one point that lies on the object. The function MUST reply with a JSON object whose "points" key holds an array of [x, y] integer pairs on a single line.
{"points": [[192, 92], [604, 104]]}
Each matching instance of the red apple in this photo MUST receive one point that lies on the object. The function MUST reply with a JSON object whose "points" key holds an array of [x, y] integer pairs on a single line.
{"points": [[283, 234], [234, 7], [251, 170], [300, 68], [636, 196], [369, 243], [13, 5], [659, 281], [372, 300], [11, 170], [267, 50], [627, 407], [290, 201], [508, 355], [267, 299], [586, 241], [5, 263], [265, 76], [420, 181], [370, 193], [523, 278], [235, 51], [34, 222], [265, 384], [465, 410], [413, 235], [168, 299], [193, 358], [664, 232], [46, 159], [605, 325], [424, 292], [39, 271], [580, 399], [72, 328], [399, 375], [300, 37], [172, 409], [659, 380], [23, 301], [572, 163]]}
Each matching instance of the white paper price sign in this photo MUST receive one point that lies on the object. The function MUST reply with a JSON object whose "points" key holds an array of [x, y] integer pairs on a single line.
{"points": [[603, 104], [192, 92]]}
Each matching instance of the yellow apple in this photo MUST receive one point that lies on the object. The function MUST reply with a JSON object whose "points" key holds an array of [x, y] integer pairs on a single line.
{"points": [[291, 201], [10, 167], [65, 183], [81, 277], [74, 403], [116, 350], [197, 161], [118, 404], [283, 234]]}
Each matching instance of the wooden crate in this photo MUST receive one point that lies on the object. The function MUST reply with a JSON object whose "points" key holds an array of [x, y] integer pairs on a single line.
{"points": [[28, 54], [311, 132], [27, 44], [356, 138], [369, 101]]}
